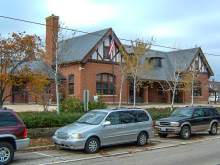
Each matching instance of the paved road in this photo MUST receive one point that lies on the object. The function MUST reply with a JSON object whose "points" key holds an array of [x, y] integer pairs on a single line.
{"points": [[159, 151], [203, 153]]}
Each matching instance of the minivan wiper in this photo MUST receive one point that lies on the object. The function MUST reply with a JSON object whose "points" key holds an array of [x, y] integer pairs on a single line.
{"points": [[84, 122]]}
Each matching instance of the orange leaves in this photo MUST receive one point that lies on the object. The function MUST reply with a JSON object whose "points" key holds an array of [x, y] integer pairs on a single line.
{"points": [[16, 52]]}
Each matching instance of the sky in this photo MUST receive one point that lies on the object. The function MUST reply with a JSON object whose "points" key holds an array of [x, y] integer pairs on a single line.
{"points": [[187, 23]]}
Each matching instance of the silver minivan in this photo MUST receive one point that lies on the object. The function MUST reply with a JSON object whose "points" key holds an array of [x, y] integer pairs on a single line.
{"points": [[106, 127]]}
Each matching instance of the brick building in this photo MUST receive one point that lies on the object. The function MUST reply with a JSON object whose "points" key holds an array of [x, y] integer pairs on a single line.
{"points": [[86, 65]]}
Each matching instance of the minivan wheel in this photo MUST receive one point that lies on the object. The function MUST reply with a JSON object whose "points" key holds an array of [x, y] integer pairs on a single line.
{"points": [[162, 135], [92, 145], [142, 139], [185, 132], [213, 130], [6, 153]]}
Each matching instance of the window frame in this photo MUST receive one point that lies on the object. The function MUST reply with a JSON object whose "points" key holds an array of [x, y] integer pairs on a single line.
{"points": [[71, 84], [110, 84]]}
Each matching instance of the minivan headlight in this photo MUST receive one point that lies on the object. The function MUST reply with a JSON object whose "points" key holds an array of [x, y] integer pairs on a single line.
{"points": [[174, 124], [75, 136]]}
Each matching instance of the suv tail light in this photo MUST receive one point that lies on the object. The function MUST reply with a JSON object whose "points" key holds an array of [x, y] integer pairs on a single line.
{"points": [[25, 133]]}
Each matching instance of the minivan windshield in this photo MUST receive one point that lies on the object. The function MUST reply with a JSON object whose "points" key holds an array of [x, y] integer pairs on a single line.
{"points": [[182, 112], [93, 117]]}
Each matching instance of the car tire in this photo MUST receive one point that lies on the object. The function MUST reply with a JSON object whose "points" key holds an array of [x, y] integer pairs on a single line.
{"points": [[7, 153], [214, 129], [185, 132], [92, 145], [162, 135], [142, 139]]}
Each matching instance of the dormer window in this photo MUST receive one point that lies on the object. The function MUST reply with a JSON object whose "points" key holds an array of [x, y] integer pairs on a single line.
{"points": [[157, 61]]}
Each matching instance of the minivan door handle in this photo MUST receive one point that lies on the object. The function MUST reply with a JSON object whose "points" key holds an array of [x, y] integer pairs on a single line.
{"points": [[124, 126]]}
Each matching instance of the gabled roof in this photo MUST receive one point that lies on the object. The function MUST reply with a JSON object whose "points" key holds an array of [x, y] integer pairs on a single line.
{"points": [[169, 62], [81, 46]]}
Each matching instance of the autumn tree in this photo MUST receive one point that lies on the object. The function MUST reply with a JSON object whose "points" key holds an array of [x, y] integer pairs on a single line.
{"points": [[57, 45], [17, 53], [137, 62]]}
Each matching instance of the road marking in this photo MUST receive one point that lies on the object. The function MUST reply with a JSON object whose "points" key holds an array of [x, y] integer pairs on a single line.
{"points": [[43, 154]]}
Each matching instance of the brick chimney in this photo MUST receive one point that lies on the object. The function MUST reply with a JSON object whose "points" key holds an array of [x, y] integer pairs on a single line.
{"points": [[52, 23]]}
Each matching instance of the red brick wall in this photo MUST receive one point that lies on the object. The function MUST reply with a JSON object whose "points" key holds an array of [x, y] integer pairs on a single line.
{"points": [[203, 78], [85, 79]]}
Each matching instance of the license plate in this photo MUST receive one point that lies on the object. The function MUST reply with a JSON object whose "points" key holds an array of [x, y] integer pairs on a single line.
{"points": [[163, 129]]}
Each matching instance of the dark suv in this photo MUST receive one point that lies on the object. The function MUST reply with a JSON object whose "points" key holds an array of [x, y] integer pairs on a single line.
{"points": [[188, 120], [13, 135]]}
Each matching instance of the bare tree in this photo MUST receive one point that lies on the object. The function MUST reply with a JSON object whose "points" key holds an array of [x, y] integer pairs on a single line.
{"points": [[137, 62], [173, 73], [191, 78], [121, 72]]}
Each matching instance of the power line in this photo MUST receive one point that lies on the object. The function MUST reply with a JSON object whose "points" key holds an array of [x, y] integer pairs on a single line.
{"points": [[90, 33]]}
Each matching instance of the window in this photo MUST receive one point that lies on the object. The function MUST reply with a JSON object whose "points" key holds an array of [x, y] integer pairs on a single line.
{"points": [[196, 65], [113, 118], [157, 61], [106, 52], [197, 113], [160, 91], [8, 119], [71, 84], [215, 112], [47, 89], [133, 116], [104, 84], [206, 112], [197, 91]]}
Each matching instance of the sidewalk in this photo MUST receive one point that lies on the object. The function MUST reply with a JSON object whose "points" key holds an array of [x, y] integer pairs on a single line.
{"points": [[38, 107]]}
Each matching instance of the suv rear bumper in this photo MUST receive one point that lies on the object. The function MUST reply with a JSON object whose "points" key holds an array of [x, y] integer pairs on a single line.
{"points": [[168, 130], [22, 143]]}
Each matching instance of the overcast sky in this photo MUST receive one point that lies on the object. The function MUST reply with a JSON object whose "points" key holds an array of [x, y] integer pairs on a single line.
{"points": [[188, 22]]}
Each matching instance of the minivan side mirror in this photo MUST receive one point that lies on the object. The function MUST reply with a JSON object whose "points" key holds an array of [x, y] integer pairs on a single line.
{"points": [[107, 123]]}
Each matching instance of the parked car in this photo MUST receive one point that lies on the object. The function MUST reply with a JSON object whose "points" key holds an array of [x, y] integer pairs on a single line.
{"points": [[106, 127], [13, 135], [188, 120], [213, 98]]}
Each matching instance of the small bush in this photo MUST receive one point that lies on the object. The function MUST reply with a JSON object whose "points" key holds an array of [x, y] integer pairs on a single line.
{"points": [[74, 104], [71, 104], [97, 105]]}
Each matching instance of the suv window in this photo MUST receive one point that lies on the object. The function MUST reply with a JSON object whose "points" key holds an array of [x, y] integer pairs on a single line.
{"points": [[215, 112], [206, 112], [197, 113], [7, 119]]}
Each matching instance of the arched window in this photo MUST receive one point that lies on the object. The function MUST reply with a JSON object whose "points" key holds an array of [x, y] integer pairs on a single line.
{"points": [[104, 84], [71, 84]]}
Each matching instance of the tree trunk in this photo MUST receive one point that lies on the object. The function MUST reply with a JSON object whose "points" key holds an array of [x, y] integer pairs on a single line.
{"points": [[120, 94], [134, 92], [173, 99], [57, 87]]}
